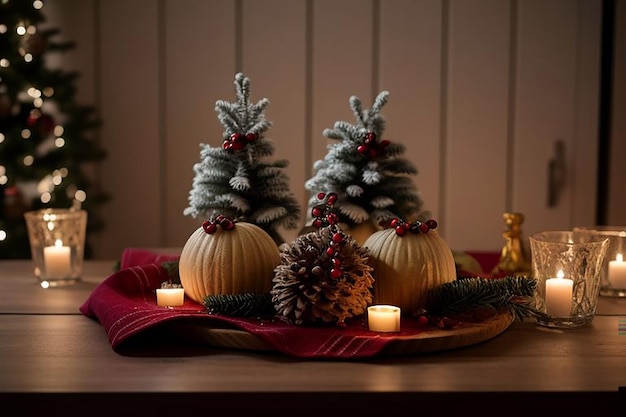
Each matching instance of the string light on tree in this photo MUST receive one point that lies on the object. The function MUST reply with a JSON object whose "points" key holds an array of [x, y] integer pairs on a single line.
{"points": [[46, 138]]}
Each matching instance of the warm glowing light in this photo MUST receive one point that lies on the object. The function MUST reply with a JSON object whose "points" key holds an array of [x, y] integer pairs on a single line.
{"points": [[58, 130], [3, 170], [3, 179], [619, 257], [3, 29], [45, 284], [45, 197], [25, 133], [31, 30], [81, 196], [59, 142], [33, 92], [560, 274], [4, 63], [38, 102], [21, 30], [49, 217], [48, 91], [3, 235], [28, 57], [38, 4], [28, 160], [1, 137]]}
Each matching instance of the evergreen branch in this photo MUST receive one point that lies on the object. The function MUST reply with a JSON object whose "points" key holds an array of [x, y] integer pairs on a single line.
{"points": [[240, 305], [511, 293]]}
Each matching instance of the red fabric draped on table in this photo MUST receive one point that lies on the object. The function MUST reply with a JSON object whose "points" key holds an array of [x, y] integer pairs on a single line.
{"points": [[125, 305]]}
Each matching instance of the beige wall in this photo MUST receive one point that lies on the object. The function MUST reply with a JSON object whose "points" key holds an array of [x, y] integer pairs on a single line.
{"points": [[480, 90]]}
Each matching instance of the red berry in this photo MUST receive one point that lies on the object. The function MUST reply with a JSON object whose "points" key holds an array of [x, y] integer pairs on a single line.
{"points": [[330, 251], [227, 224], [209, 227], [336, 263], [321, 196], [400, 230], [316, 212], [236, 137], [432, 223], [226, 144], [422, 320], [238, 146], [332, 198], [318, 223], [251, 137], [337, 237], [424, 228], [336, 273], [332, 218], [362, 149], [370, 137]]}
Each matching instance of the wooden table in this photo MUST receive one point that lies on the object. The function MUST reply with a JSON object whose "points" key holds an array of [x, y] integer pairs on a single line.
{"points": [[55, 360]]}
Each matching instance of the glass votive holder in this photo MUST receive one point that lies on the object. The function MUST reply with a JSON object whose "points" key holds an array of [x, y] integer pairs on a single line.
{"points": [[613, 281], [57, 245], [568, 268]]}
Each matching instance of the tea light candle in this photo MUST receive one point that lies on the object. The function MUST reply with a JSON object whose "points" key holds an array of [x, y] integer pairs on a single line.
{"points": [[57, 260], [170, 297], [559, 295], [383, 318], [617, 272]]}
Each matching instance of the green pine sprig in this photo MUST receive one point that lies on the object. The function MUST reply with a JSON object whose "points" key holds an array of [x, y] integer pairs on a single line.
{"points": [[513, 294], [240, 305]]}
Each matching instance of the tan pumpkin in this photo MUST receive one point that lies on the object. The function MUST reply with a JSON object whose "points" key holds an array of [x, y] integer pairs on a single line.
{"points": [[407, 267], [228, 261]]}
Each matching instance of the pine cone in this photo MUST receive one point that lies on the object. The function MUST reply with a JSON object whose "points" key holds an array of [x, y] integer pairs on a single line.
{"points": [[305, 291]]}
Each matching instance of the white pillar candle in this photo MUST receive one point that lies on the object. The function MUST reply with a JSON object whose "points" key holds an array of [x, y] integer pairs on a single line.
{"points": [[170, 297], [57, 260], [559, 296], [383, 318], [617, 272]]}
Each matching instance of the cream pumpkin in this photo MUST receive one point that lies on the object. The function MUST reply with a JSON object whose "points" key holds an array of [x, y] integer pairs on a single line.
{"points": [[407, 267], [228, 261]]}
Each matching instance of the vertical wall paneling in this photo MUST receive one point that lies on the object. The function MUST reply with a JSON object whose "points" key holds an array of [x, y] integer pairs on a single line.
{"points": [[199, 51], [130, 109], [479, 92], [545, 109], [410, 69], [478, 97], [616, 205], [274, 58], [342, 64], [586, 117]]}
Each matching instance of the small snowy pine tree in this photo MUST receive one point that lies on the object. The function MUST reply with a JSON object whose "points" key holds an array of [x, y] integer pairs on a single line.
{"points": [[369, 175], [234, 179]]}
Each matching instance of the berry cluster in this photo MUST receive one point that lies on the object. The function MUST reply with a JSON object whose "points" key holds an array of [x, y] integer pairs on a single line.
{"points": [[238, 142], [401, 226], [210, 226], [325, 216], [371, 147]]}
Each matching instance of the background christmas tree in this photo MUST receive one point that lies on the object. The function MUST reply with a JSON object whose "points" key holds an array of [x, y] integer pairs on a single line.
{"points": [[46, 143], [369, 175], [236, 179]]}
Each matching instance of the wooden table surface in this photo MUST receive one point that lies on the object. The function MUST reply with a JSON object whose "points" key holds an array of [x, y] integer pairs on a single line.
{"points": [[54, 358]]}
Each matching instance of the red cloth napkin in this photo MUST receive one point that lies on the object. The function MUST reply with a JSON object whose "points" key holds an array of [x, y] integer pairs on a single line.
{"points": [[125, 305]]}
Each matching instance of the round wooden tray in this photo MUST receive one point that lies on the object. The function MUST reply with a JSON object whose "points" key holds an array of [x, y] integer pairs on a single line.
{"points": [[423, 342]]}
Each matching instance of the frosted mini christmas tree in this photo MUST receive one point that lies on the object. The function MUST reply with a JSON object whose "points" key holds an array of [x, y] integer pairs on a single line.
{"points": [[236, 179], [368, 173]]}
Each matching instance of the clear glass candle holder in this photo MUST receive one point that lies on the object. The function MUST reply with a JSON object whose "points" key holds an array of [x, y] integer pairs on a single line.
{"points": [[57, 244], [613, 280], [568, 268]]}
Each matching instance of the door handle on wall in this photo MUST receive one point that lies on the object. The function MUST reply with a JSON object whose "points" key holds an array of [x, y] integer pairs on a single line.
{"points": [[556, 173]]}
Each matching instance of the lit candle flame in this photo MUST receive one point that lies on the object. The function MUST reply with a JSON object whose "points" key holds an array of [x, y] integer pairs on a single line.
{"points": [[560, 274], [58, 243], [619, 257]]}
